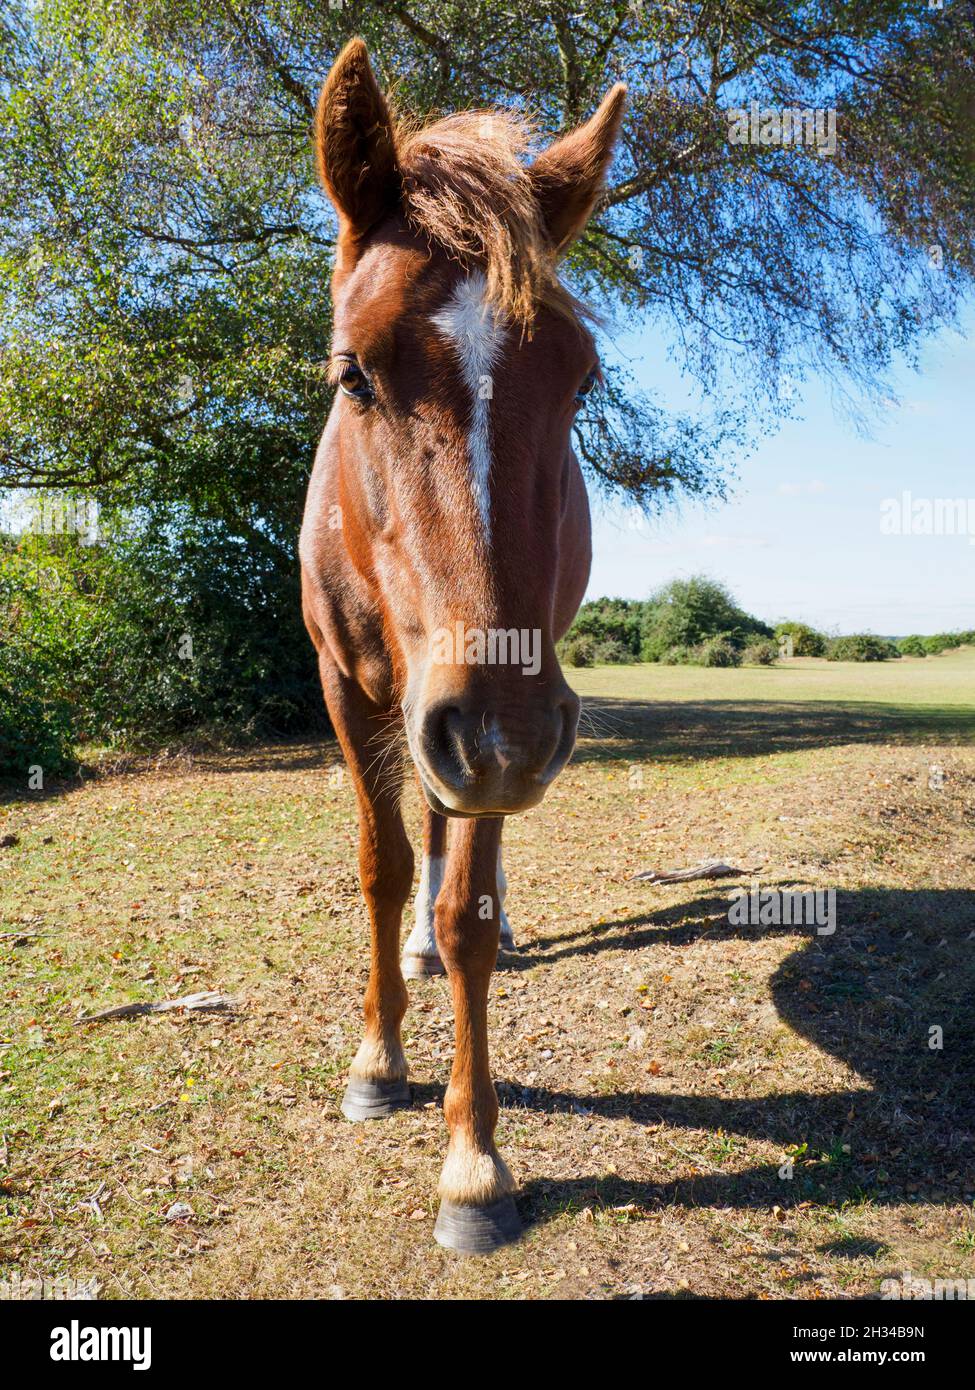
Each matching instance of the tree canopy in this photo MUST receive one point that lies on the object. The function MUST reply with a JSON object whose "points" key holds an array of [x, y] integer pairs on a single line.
{"points": [[165, 254]]}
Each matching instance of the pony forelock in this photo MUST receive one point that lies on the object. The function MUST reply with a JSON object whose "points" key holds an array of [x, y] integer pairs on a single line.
{"points": [[467, 188]]}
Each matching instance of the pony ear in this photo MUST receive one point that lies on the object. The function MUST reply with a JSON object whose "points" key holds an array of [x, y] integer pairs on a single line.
{"points": [[568, 176], [354, 142]]}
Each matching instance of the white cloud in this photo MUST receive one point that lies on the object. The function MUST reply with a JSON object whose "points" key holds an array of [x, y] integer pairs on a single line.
{"points": [[811, 489]]}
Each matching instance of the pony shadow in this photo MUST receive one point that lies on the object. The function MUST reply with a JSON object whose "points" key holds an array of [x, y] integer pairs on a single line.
{"points": [[888, 993]]}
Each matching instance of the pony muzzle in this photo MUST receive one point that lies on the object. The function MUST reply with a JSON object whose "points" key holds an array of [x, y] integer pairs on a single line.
{"points": [[477, 761]]}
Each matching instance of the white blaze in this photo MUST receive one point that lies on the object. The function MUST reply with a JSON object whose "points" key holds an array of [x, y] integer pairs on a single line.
{"points": [[470, 325]]}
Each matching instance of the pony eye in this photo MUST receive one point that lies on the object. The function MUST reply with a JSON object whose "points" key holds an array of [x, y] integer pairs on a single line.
{"points": [[587, 385], [354, 382]]}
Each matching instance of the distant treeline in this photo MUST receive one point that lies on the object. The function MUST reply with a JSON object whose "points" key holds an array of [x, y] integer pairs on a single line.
{"points": [[696, 622]]}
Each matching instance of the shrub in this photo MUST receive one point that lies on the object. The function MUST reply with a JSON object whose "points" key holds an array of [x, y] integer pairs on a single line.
{"points": [[762, 652], [168, 627], [681, 656], [806, 641], [719, 651], [36, 725], [862, 646], [579, 651], [687, 612], [614, 653], [912, 646], [941, 642], [614, 626]]}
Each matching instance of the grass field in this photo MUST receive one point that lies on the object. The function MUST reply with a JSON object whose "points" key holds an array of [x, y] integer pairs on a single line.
{"points": [[692, 1108]]}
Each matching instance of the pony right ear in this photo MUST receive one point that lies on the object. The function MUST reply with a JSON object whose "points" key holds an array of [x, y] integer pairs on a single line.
{"points": [[354, 142], [568, 176]]}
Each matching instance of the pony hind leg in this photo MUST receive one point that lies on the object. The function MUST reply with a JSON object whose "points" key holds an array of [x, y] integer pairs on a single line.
{"points": [[420, 954], [506, 935]]}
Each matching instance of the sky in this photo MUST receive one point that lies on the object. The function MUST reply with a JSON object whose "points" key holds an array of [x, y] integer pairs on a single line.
{"points": [[800, 535]]}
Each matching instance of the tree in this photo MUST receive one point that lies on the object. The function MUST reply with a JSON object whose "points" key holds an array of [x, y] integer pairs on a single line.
{"points": [[165, 257], [688, 612]]}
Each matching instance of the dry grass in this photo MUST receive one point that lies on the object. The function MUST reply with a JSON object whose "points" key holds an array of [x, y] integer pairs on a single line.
{"points": [[657, 1065]]}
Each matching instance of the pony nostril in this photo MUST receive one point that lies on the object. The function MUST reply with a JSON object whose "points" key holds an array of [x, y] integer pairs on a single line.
{"points": [[442, 743]]}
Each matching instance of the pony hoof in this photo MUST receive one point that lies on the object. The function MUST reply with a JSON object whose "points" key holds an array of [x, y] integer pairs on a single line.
{"points": [[471, 1230], [374, 1100], [419, 967]]}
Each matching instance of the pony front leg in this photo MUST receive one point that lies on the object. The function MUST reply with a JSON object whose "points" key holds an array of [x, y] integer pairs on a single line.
{"points": [[377, 1077], [477, 1211]]}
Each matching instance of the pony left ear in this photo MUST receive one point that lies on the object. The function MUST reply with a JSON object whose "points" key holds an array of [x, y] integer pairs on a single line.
{"points": [[568, 176], [354, 142]]}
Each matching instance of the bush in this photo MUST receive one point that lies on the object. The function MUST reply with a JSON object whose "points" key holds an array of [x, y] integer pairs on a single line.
{"points": [[762, 652], [36, 726], [681, 656], [171, 627], [579, 651], [613, 653], [912, 646], [941, 642], [613, 624], [806, 641], [719, 651], [689, 612], [862, 646]]}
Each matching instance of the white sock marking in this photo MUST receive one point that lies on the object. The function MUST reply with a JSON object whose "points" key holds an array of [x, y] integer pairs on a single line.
{"points": [[507, 936], [472, 328], [422, 940]]}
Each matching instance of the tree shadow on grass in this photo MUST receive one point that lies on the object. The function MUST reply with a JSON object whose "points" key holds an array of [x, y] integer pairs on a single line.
{"points": [[900, 964], [639, 730], [291, 756]]}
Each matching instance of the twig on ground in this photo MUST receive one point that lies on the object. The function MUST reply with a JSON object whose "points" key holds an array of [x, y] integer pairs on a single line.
{"points": [[207, 1001], [711, 868]]}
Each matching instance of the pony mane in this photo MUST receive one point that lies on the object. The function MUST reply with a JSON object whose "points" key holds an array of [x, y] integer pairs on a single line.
{"points": [[466, 187]]}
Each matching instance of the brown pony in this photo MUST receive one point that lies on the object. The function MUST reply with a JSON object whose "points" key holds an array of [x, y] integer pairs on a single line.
{"points": [[445, 548]]}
